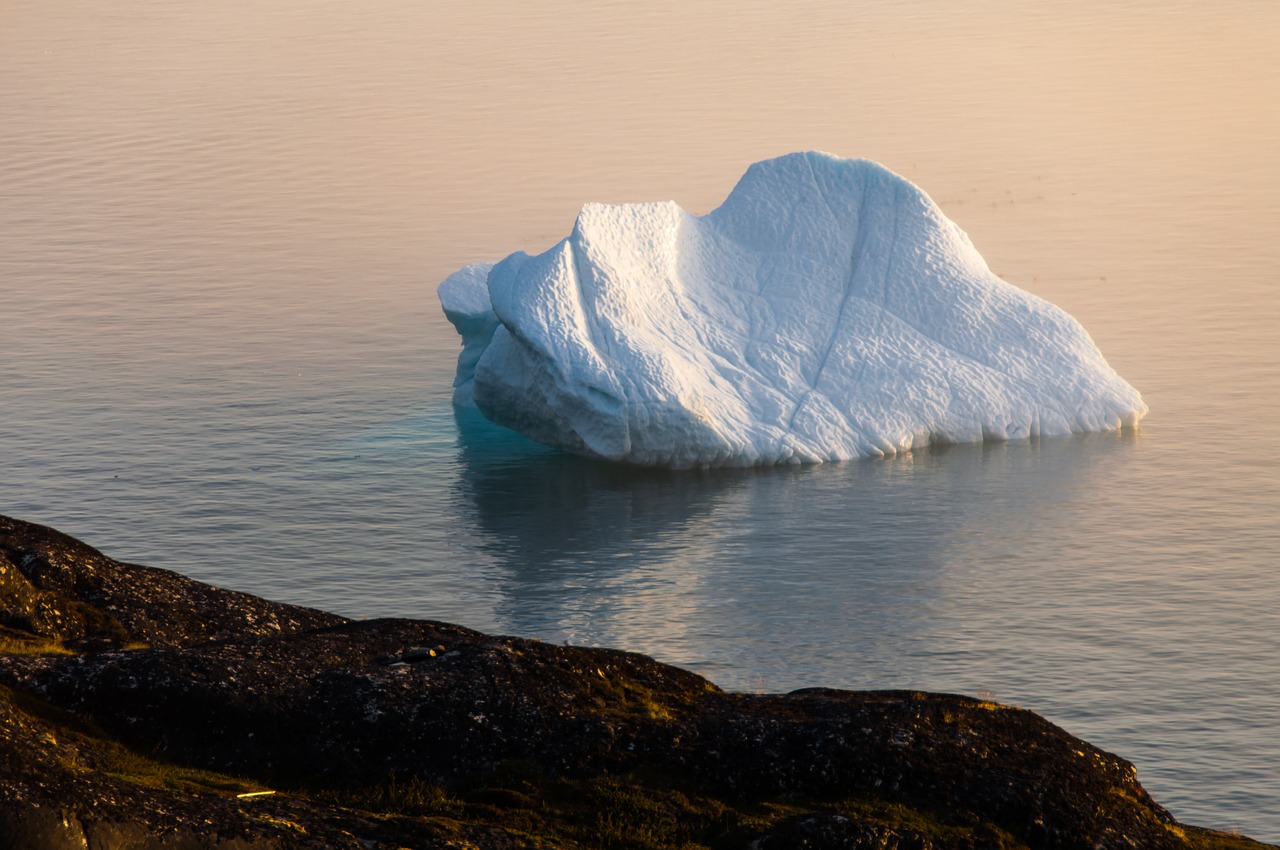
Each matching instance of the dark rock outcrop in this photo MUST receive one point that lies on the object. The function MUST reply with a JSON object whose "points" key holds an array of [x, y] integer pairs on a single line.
{"points": [[54, 586], [398, 733]]}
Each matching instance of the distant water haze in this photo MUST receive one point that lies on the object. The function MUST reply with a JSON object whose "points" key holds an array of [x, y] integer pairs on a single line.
{"points": [[222, 225]]}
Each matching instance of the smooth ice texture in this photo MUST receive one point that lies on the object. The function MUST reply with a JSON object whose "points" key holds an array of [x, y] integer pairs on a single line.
{"points": [[826, 310]]}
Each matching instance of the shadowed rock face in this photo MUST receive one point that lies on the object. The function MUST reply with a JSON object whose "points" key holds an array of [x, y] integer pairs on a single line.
{"points": [[505, 742]]}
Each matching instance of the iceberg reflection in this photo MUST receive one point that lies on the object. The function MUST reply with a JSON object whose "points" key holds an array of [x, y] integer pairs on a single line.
{"points": [[847, 567]]}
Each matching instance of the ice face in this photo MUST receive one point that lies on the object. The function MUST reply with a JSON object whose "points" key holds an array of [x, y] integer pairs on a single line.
{"points": [[465, 298], [826, 310]]}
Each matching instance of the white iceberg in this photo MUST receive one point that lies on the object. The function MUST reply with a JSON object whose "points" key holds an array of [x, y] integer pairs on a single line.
{"points": [[826, 310]]}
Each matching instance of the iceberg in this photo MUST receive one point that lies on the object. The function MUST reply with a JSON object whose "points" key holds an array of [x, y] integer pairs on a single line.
{"points": [[827, 310]]}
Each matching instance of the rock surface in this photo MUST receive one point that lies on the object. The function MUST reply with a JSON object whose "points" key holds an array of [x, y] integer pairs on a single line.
{"points": [[826, 310], [54, 586], [137, 725]]}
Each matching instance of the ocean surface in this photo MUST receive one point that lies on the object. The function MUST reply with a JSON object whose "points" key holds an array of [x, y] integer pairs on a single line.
{"points": [[222, 224]]}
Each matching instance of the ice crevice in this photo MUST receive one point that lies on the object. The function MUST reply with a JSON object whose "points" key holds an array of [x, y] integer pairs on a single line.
{"points": [[826, 310]]}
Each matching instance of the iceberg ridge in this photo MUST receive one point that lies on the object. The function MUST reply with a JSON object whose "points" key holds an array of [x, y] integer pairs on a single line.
{"points": [[826, 310]]}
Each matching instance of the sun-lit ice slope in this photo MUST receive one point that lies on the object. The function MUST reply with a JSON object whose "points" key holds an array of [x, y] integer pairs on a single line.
{"points": [[827, 310]]}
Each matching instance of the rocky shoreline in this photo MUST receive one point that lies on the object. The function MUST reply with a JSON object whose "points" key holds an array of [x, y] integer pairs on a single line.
{"points": [[141, 709]]}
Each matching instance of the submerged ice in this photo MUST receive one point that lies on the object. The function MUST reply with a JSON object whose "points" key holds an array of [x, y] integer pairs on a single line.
{"points": [[826, 310]]}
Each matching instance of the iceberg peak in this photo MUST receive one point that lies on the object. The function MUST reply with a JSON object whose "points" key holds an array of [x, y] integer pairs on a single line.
{"points": [[826, 310]]}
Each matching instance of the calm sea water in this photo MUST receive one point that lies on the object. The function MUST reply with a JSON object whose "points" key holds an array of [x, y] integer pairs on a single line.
{"points": [[221, 226]]}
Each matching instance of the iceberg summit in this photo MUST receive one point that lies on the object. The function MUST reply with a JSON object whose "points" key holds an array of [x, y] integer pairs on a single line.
{"points": [[826, 310]]}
